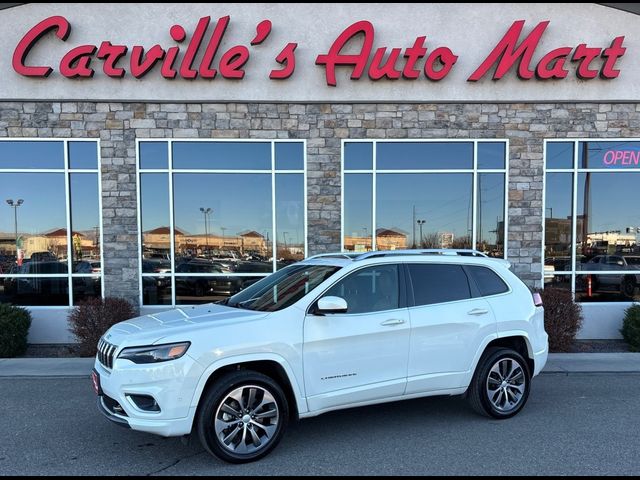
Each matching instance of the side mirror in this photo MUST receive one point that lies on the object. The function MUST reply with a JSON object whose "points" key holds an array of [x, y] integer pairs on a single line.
{"points": [[331, 305]]}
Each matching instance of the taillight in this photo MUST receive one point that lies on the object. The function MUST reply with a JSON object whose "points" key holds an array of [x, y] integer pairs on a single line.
{"points": [[537, 299]]}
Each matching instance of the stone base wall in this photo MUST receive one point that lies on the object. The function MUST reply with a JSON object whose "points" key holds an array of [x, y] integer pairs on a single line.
{"points": [[117, 125]]}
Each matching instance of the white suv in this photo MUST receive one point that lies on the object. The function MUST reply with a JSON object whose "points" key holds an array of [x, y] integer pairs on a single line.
{"points": [[330, 332]]}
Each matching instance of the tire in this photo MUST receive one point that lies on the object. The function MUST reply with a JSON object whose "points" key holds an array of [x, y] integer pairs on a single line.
{"points": [[499, 405], [214, 424], [628, 287]]}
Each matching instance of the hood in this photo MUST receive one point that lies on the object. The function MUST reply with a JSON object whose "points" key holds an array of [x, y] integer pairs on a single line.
{"points": [[151, 329]]}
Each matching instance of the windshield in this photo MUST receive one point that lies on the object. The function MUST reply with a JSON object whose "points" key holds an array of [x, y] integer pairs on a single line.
{"points": [[283, 288]]}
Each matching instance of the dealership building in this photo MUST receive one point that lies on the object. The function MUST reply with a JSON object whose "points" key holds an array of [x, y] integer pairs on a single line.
{"points": [[172, 154]]}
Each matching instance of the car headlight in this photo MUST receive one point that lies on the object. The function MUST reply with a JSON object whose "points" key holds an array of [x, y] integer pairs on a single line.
{"points": [[155, 353]]}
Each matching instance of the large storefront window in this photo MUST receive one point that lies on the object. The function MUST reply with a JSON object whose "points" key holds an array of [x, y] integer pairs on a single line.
{"points": [[592, 224], [50, 229], [424, 194], [216, 216]]}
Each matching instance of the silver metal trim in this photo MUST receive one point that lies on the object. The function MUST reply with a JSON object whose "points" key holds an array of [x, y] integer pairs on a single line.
{"points": [[428, 251]]}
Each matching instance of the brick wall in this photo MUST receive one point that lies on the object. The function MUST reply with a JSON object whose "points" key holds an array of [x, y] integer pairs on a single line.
{"points": [[324, 126]]}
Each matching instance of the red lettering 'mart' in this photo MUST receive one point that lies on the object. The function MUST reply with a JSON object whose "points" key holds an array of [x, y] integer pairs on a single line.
{"points": [[585, 55], [552, 64], [507, 52], [611, 56]]}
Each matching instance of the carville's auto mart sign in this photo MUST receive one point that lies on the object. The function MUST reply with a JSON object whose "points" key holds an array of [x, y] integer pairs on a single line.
{"points": [[373, 52], [392, 63]]}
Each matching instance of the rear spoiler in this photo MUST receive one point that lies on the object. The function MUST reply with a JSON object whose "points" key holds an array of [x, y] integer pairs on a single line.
{"points": [[505, 263]]}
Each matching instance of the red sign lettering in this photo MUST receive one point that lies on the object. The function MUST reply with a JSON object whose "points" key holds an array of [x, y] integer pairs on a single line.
{"points": [[380, 63], [437, 66], [62, 28], [505, 53], [508, 52]]}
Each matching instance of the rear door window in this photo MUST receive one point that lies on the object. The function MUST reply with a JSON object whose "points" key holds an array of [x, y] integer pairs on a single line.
{"points": [[488, 282], [435, 283]]}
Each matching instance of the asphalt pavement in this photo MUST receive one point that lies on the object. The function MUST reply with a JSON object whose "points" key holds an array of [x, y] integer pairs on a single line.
{"points": [[577, 424]]}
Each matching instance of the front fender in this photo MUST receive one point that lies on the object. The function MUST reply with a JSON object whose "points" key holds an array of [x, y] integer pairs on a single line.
{"points": [[238, 359]]}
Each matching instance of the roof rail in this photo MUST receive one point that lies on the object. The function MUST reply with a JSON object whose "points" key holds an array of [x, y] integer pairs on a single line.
{"points": [[427, 251], [332, 255]]}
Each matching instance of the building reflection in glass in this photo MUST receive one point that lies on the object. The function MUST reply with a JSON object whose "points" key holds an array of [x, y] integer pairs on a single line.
{"points": [[430, 206], [39, 247], [607, 224], [222, 231]]}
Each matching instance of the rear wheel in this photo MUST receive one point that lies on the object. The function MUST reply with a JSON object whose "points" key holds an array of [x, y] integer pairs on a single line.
{"points": [[628, 287], [500, 385], [243, 417]]}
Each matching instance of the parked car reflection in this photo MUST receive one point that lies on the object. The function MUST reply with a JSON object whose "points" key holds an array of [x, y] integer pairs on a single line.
{"points": [[38, 290], [194, 290], [196, 286], [156, 291], [624, 284], [155, 265]]}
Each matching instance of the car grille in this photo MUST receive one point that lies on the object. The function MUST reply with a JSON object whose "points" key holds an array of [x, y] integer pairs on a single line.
{"points": [[106, 353]]}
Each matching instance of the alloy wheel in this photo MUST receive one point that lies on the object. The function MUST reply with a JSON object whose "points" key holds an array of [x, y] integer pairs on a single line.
{"points": [[247, 420], [506, 385]]}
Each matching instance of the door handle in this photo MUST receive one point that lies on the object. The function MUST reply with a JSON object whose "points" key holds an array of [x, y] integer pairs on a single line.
{"points": [[478, 311], [393, 322]]}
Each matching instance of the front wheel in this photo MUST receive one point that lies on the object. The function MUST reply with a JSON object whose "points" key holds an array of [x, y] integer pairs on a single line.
{"points": [[500, 385], [243, 417]]}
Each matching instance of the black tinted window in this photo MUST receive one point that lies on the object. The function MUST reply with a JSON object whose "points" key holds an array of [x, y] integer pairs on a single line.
{"points": [[488, 282], [373, 289], [438, 283]]}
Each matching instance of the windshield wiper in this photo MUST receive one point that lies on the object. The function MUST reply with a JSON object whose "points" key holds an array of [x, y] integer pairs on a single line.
{"points": [[244, 303]]}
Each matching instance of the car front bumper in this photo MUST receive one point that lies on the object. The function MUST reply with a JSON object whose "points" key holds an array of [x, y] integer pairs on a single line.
{"points": [[171, 384]]}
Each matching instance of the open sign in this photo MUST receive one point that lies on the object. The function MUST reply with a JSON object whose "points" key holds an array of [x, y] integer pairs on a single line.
{"points": [[621, 157]]}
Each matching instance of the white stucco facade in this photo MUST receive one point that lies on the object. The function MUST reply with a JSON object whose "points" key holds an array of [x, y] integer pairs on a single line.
{"points": [[471, 31]]}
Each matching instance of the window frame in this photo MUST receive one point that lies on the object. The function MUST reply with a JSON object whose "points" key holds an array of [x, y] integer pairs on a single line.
{"points": [[67, 171], [475, 172], [575, 172], [170, 171]]}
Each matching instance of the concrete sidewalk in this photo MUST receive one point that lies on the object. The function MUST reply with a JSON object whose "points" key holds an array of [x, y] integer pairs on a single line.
{"points": [[566, 363], [46, 367], [593, 363]]}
